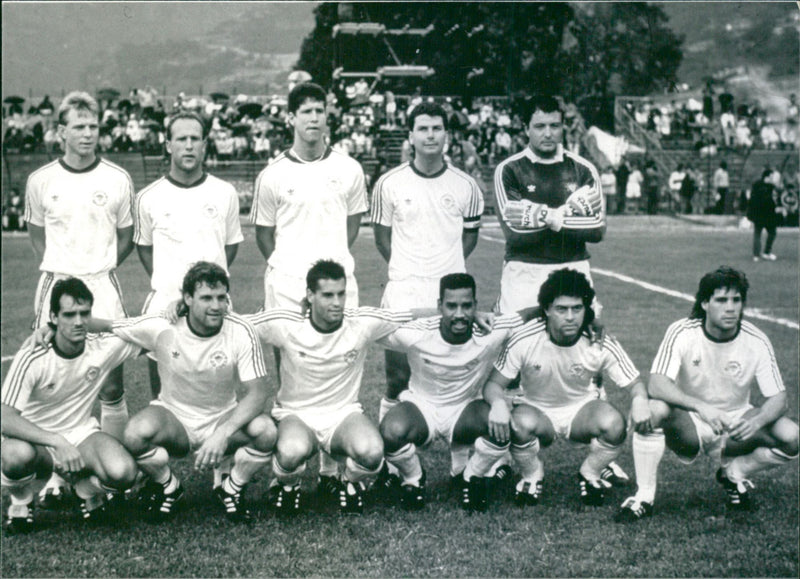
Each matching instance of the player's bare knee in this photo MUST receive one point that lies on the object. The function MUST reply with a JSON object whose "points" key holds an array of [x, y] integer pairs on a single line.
{"points": [[659, 412], [113, 388], [18, 458], [368, 452], [292, 453], [787, 438], [263, 432], [524, 426], [119, 472], [612, 428], [394, 432], [139, 432]]}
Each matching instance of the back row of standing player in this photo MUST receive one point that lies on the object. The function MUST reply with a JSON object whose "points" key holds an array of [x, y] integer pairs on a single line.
{"points": [[308, 204]]}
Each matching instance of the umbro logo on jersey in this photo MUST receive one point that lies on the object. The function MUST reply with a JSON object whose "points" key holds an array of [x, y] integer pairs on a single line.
{"points": [[99, 198]]}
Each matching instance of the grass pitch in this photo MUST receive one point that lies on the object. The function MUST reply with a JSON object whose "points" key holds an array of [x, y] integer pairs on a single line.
{"points": [[690, 535]]}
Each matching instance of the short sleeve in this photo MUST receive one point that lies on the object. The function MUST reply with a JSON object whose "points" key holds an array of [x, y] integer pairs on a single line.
{"points": [[34, 210], [249, 354], [127, 201], [357, 193], [142, 331], [668, 358], [265, 206], [144, 222], [233, 227], [21, 377]]}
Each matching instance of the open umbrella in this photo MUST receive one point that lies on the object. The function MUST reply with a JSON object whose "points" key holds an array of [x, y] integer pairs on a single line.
{"points": [[458, 120], [14, 100], [219, 97], [252, 110], [107, 94]]}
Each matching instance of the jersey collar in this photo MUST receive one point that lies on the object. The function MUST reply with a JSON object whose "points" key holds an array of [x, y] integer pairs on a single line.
{"points": [[292, 157], [724, 340], [557, 158], [61, 354], [199, 181], [66, 167], [428, 175]]}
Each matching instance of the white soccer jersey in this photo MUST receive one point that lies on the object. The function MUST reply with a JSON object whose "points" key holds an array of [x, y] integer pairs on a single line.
{"points": [[553, 375], [322, 370], [445, 373], [80, 211], [186, 224], [199, 374], [56, 392], [427, 214], [719, 373], [308, 204]]}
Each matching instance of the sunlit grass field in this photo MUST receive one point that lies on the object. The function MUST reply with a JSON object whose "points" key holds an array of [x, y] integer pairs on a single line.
{"points": [[690, 535]]}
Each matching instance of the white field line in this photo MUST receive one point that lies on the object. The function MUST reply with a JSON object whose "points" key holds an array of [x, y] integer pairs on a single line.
{"points": [[749, 312]]}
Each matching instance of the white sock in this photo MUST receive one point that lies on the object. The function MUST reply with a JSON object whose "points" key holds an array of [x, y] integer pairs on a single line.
{"points": [[355, 473], [459, 455], [762, 458], [647, 452], [155, 464], [385, 406], [328, 466], [247, 462], [21, 490], [485, 455], [406, 460], [56, 481], [600, 454], [223, 469], [526, 457], [114, 416], [285, 477], [504, 460]]}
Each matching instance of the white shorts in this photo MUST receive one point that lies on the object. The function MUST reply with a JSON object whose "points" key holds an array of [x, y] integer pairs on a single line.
{"points": [[416, 292], [198, 428], [711, 443], [520, 283], [561, 417], [285, 291], [323, 423], [440, 419], [105, 289]]}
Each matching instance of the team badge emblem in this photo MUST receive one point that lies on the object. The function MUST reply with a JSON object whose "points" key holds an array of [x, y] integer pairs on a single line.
{"points": [[351, 356], [91, 374], [448, 202], [99, 198], [335, 184], [733, 368], [218, 359], [210, 211], [577, 370]]}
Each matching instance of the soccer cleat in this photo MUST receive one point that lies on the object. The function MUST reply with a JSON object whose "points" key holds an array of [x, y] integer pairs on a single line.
{"points": [[351, 500], [615, 476], [592, 493], [502, 476], [285, 500], [19, 519], [232, 504], [474, 495], [93, 509], [457, 485], [412, 497], [633, 510], [386, 486], [158, 504], [528, 493], [739, 497], [328, 489], [56, 498]]}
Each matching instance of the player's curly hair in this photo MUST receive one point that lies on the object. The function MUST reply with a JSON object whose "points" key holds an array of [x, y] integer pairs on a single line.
{"points": [[303, 92], [568, 282], [427, 108], [77, 101], [72, 287], [453, 281], [323, 269], [724, 277]]}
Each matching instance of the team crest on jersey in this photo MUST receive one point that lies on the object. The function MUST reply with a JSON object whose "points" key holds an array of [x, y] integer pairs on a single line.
{"points": [[99, 198], [448, 201], [351, 356], [218, 359], [91, 374], [335, 184], [577, 370], [733, 368], [211, 211]]}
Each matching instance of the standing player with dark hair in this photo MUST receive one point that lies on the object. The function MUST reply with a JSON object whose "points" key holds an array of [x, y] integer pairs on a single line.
{"points": [[700, 386], [184, 217], [78, 210], [426, 214], [203, 360], [46, 406], [557, 361]]}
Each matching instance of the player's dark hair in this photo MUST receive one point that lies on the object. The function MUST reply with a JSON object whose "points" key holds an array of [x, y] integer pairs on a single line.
{"points": [[303, 92], [191, 115], [454, 281], [724, 277], [323, 269], [204, 272], [568, 282], [543, 103], [72, 287], [427, 108]]}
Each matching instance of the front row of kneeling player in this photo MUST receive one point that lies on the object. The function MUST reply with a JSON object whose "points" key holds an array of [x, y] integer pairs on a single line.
{"points": [[699, 397]]}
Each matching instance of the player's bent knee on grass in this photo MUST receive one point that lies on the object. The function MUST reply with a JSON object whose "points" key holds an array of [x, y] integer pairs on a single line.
{"points": [[109, 460], [403, 424], [681, 434], [598, 419], [473, 423], [531, 423], [295, 445], [781, 434], [19, 458], [360, 440], [156, 426], [262, 432]]}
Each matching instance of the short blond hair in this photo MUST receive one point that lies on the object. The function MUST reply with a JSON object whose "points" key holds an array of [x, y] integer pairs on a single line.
{"points": [[77, 101]]}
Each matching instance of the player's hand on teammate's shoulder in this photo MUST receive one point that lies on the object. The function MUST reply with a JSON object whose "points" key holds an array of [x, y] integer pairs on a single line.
{"points": [[485, 320], [40, 336], [173, 311]]}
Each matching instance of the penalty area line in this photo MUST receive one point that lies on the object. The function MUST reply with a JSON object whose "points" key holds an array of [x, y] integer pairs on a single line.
{"points": [[749, 312]]}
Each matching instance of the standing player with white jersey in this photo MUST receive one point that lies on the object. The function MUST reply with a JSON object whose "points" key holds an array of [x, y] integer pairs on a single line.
{"points": [[450, 359], [203, 360], [78, 210], [317, 406], [556, 360], [700, 386], [47, 421], [184, 217]]}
